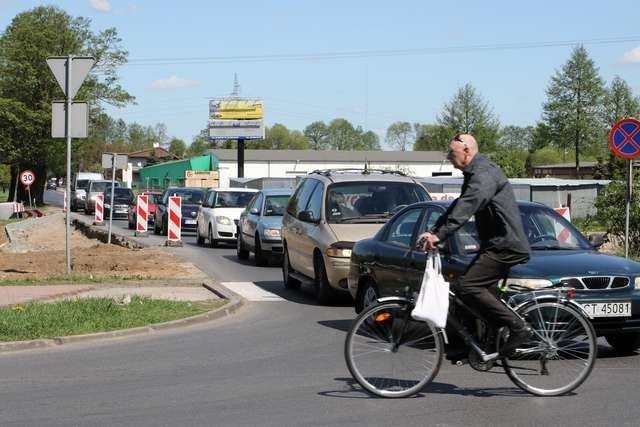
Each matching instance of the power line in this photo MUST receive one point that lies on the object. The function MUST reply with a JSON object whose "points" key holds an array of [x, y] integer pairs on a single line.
{"points": [[379, 53]]}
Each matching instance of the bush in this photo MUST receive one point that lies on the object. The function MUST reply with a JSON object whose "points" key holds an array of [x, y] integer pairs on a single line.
{"points": [[612, 213]]}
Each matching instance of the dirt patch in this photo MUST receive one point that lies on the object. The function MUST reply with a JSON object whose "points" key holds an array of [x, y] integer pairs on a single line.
{"points": [[38, 251]]}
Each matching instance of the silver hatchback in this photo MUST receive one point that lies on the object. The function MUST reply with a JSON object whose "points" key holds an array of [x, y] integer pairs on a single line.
{"points": [[260, 223]]}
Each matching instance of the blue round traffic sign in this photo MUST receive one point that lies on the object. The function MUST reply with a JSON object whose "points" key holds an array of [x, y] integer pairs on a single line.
{"points": [[624, 138]]}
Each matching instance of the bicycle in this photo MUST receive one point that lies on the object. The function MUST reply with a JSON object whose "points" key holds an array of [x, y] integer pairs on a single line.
{"points": [[392, 355]]}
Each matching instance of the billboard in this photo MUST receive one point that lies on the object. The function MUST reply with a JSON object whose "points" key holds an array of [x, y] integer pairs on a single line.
{"points": [[236, 109], [236, 118]]}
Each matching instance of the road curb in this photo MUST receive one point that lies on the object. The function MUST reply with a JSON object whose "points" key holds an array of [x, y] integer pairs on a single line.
{"points": [[234, 302]]}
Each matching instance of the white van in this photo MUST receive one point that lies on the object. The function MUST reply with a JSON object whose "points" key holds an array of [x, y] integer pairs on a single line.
{"points": [[79, 188]]}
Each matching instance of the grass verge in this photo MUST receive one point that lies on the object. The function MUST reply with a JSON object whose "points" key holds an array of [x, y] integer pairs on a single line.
{"points": [[77, 279], [84, 316]]}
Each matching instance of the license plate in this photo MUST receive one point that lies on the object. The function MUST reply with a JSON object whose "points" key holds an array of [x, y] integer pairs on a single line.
{"points": [[189, 221], [607, 309]]}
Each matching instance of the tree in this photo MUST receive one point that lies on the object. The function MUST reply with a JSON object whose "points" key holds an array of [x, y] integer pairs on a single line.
{"points": [[341, 135], [27, 85], [431, 137], [610, 214], [619, 103], [399, 135], [279, 137], [317, 133], [177, 147], [516, 138], [572, 110], [467, 112], [512, 162]]}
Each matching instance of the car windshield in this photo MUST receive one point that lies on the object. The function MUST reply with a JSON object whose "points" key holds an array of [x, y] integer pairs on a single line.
{"points": [[99, 186], [275, 205], [82, 184], [120, 195], [544, 228], [232, 199], [357, 200], [188, 195]]}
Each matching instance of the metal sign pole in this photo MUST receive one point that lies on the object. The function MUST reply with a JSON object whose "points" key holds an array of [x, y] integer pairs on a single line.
{"points": [[67, 132], [628, 207], [113, 183], [29, 192]]}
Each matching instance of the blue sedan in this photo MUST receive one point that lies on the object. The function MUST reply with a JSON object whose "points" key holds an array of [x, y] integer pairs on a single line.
{"points": [[607, 286]]}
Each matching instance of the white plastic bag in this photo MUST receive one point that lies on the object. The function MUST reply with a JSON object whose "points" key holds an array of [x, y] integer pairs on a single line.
{"points": [[432, 303]]}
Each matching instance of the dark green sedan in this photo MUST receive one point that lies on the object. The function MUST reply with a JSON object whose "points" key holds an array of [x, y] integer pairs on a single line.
{"points": [[607, 286]]}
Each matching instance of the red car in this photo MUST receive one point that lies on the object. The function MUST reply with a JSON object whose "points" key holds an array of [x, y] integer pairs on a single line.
{"points": [[153, 196]]}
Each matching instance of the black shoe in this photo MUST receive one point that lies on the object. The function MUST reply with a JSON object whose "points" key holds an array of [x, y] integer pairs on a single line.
{"points": [[517, 337], [454, 355]]}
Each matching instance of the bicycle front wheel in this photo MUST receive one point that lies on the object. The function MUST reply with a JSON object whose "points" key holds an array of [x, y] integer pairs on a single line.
{"points": [[561, 354], [389, 353]]}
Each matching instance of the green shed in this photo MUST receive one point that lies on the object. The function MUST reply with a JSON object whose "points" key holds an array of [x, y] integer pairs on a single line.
{"points": [[163, 175]]}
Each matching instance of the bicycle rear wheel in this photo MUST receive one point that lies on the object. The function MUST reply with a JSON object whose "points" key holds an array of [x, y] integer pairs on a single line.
{"points": [[561, 354], [389, 353]]}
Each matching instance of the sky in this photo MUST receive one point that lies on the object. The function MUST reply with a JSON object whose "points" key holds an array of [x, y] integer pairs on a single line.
{"points": [[370, 62]]}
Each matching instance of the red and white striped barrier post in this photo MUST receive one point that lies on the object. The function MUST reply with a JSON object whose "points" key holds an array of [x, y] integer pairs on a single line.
{"points": [[142, 215], [174, 219], [99, 213]]}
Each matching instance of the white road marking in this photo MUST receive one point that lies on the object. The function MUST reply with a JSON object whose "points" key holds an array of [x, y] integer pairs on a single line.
{"points": [[251, 291]]}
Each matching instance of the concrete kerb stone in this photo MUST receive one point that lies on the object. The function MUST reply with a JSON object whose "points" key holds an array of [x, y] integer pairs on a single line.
{"points": [[234, 302]]}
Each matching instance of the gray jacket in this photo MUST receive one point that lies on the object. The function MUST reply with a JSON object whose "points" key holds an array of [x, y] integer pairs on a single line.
{"points": [[487, 194]]}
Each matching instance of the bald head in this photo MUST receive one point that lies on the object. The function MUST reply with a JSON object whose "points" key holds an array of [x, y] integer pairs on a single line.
{"points": [[462, 150]]}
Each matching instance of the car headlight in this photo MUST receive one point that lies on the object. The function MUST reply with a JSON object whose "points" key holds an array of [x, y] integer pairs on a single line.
{"points": [[637, 283], [223, 220], [107, 206], [338, 253], [272, 233], [94, 198], [529, 283]]}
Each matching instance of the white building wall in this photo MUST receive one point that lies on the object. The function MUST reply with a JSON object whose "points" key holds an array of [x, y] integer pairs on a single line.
{"points": [[281, 169]]}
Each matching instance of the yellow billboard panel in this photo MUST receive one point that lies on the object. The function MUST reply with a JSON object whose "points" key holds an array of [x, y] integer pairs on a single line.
{"points": [[236, 109]]}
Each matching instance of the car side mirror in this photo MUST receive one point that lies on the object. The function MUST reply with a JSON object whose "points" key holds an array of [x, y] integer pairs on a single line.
{"points": [[307, 216], [597, 240], [254, 211]]}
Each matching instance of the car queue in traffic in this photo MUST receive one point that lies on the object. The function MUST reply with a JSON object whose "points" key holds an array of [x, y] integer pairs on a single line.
{"points": [[352, 233]]}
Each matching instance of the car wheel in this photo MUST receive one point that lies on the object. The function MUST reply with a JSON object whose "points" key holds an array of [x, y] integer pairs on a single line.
{"points": [[164, 230], [131, 225], [624, 343], [199, 238], [242, 252], [324, 292], [289, 282], [212, 242], [367, 296], [261, 258]]}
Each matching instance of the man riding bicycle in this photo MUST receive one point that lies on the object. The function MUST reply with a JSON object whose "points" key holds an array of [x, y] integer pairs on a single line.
{"points": [[487, 194]]}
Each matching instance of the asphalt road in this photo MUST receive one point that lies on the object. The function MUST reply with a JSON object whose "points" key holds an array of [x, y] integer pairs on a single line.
{"points": [[277, 362]]}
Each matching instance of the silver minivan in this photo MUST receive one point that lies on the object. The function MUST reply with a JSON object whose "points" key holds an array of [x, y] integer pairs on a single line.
{"points": [[329, 211], [94, 188]]}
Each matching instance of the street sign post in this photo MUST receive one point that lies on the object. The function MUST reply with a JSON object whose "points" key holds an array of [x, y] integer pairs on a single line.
{"points": [[624, 142], [27, 178], [69, 71]]}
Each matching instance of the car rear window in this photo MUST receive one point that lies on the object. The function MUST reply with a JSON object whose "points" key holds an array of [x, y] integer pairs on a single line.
{"points": [[233, 199]]}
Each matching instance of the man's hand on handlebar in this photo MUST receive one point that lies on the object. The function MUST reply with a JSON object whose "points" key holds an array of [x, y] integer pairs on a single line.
{"points": [[427, 241]]}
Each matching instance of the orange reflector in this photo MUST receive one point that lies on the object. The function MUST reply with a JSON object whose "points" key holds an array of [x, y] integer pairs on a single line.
{"points": [[381, 317], [571, 292]]}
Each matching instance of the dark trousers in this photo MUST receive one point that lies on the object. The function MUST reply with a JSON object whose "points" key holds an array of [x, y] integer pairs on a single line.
{"points": [[477, 289]]}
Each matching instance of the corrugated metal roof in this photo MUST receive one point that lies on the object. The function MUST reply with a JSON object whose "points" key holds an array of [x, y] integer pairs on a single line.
{"points": [[329, 155]]}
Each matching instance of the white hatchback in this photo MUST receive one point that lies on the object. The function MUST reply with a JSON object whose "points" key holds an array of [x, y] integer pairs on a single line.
{"points": [[218, 216]]}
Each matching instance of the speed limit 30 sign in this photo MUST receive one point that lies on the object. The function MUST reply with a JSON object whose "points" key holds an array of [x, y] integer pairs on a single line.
{"points": [[27, 177]]}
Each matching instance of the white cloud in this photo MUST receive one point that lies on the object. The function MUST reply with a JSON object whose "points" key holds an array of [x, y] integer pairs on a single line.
{"points": [[632, 56], [173, 82], [101, 5]]}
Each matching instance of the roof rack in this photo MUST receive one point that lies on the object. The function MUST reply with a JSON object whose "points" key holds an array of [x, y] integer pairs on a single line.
{"points": [[364, 171]]}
